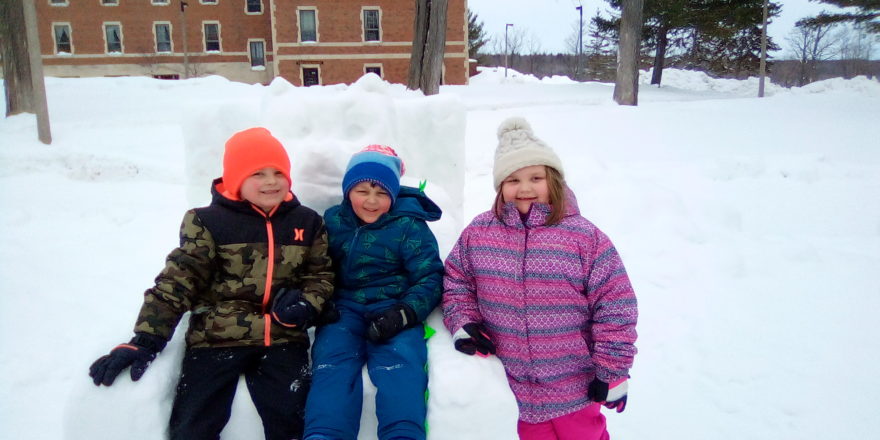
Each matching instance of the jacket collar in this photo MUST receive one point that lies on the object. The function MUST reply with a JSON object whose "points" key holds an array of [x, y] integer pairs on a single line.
{"points": [[538, 212], [410, 203], [221, 198]]}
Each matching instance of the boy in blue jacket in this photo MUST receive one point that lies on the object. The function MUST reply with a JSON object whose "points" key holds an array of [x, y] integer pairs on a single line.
{"points": [[388, 279]]}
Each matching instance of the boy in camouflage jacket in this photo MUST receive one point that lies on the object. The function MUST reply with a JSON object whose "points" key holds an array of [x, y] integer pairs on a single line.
{"points": [[388, 279], [252, 243]]}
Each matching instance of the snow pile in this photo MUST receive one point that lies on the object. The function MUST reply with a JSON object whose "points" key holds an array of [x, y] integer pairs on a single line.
{"points": [[496, 75], [859, 85], [700, 81]]}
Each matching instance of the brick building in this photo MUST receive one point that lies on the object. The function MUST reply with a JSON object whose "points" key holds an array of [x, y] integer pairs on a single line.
{"points": [[306, 42]]}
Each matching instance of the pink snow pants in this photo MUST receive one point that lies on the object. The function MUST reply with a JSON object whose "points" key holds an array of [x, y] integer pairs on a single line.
{"points": [[586, 424]]}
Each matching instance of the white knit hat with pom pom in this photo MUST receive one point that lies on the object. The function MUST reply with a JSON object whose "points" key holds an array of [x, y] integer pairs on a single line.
{"points": [[518, 148]]}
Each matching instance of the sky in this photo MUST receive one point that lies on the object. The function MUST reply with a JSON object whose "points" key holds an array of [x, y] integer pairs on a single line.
{"points": [[556, 20], [745, 225]]}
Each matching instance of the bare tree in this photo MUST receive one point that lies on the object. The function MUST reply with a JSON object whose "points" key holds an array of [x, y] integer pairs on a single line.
{"points": [[810, 44], [429, 43], [626, 87], [16, 68], [855, 47], [577, 36]]}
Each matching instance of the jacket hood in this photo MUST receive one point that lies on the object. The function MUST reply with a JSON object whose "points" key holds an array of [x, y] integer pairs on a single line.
{"points": [[413, 203], [410, 203]]}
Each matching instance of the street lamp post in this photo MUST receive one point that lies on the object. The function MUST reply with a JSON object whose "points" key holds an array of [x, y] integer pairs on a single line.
{"points": [[577, 66], [505, 47], [763, 65]]}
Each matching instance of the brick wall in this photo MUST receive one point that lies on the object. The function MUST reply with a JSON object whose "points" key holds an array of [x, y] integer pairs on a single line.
{"points": [[340, 51]]}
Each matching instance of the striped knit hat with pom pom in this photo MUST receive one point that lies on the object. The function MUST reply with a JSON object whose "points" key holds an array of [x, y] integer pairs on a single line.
{"points": [[377, 164], [519, 148]]}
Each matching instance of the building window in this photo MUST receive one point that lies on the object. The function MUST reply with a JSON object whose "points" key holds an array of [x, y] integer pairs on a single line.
{"points": [[308, 26], [212, 37], [208, 2], [258, 53], [310, 76], [254, 6], [58, 2], [373, 69], [160, 2], [163, 37], [110, 2], [371, 25], [113, 36], [62, 38]]}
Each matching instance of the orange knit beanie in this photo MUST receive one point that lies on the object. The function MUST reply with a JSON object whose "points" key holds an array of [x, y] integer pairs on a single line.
{"points": [[249, 151]]}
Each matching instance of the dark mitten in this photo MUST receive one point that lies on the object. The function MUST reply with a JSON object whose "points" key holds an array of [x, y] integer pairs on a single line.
{"points": [[138, 354], [613, 397], [290, 309], [328, 314], [390, 322], [473, 338]]}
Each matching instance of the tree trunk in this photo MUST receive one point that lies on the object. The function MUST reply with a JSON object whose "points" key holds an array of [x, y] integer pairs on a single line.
{"points": [[660, 57], [16, 65], [429, 45], [420, 35], [626, 87], [432, 67]]}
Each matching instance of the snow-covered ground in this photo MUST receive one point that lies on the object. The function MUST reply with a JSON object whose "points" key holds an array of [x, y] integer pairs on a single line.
{"points": [[750, 229]]}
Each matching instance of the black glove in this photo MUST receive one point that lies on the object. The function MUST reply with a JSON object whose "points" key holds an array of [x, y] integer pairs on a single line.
{"points": [[138, 354], [613, 397], [328, 314], [474, 341], [290, 309], [386, 325]]}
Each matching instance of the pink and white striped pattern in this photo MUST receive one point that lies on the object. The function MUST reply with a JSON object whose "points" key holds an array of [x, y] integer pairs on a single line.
{"points": [[556, 300]]}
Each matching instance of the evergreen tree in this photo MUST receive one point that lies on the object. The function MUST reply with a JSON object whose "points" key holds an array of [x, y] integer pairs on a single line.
{"points": [[476, 35], [726, 39], [867, 11], [719, 36]]}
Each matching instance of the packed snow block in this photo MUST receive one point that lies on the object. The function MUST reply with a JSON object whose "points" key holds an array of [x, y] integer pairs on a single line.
{"points": [[130, 410], [321, 127]]}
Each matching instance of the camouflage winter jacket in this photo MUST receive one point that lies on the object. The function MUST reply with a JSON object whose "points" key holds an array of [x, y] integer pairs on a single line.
{"points": [[231, 260], [395, 257]]}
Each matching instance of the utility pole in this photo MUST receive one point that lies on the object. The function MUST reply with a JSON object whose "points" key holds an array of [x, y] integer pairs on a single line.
{"points": [[183, 6], [505, 47], [35, 57], [763, 68], [577, 67]]}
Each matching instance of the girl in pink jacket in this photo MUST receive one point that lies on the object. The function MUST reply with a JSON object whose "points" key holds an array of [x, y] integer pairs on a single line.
{"points": [[541, 287]]}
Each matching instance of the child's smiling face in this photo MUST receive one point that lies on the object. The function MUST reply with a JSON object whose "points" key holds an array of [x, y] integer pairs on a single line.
{"points": [[369, 201], [526, 186], [265, 188]]}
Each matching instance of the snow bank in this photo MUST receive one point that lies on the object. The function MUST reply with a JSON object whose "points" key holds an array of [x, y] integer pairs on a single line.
{"points": [[749, 228]]}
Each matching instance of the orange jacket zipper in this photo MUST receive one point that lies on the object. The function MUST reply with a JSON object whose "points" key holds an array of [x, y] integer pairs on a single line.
{"points": [[267, 292]]}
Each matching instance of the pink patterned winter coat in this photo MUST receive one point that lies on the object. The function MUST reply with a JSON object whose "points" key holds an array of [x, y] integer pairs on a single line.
{"points": [[556, 300]]}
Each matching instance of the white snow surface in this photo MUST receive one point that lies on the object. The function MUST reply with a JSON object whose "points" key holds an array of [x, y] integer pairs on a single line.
{"points": [[750, 229]]}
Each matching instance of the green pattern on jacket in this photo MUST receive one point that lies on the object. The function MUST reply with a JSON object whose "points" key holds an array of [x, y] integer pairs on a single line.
{"points": [[395, 258]]}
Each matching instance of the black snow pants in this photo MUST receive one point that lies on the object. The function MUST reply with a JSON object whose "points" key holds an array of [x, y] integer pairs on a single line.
{"points": [[277, 377]]}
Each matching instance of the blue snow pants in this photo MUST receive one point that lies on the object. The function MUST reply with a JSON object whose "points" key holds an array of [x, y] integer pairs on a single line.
{"points": [[397, 368]]}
